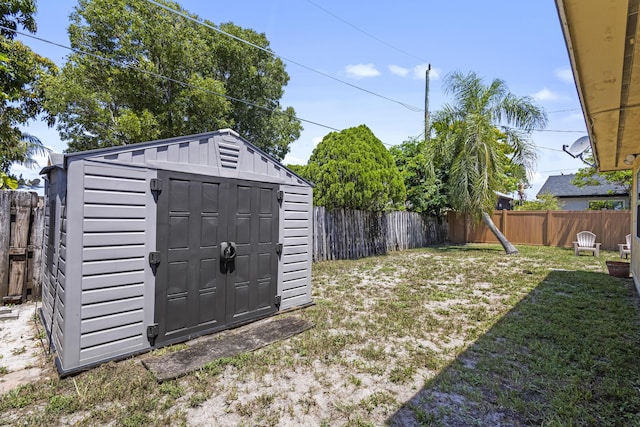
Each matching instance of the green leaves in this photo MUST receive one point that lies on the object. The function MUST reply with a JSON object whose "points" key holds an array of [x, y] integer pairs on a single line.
{"points": [[15, 14], [352, 169], [187, 70], [7, 182], [544, 202], [424, 186], [21, 98], [482, 140]]}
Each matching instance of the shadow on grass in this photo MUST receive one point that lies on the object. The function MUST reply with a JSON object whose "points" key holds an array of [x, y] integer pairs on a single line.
{"points": [[483, 247], [567, 354]]}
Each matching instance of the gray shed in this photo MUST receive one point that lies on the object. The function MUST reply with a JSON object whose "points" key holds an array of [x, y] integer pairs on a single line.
{"points": [[154, 243]]}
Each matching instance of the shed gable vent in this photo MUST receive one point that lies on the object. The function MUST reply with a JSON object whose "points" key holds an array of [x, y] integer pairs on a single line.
{"points": [[229, 154]]}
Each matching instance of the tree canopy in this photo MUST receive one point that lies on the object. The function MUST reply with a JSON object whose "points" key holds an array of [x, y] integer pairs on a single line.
{"points": [[544, 202], [164, 75], [426, 192], [353, 169], [482, 139], [589, 176], [21, 71]]}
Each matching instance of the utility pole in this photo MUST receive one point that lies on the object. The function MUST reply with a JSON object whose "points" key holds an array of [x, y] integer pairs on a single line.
{"points": [[426, 104]]}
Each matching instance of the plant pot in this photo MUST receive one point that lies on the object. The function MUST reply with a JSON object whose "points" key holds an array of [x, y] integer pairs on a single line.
{"points": [[618, 268]]}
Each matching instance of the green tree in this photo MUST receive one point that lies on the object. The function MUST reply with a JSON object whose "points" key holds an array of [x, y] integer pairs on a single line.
{"points": [[102, 103], [352, 169], [472, 136], [590, 176], [425, 191], [21, 100], [544, 202]]}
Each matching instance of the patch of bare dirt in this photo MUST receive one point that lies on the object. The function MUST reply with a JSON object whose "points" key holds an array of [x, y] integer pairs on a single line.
{"points": [[21, 352]]}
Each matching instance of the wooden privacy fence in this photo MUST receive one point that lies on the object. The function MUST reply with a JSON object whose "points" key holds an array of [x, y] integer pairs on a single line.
{"points": [[350, 234], [548, 228], [21, 222]]}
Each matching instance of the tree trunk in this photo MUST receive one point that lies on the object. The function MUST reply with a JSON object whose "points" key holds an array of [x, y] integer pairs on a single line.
{"points": [[508, 247]]}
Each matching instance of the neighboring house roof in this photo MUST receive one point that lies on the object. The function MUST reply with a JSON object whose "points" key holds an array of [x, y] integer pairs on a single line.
{"points": [[561, 186]]}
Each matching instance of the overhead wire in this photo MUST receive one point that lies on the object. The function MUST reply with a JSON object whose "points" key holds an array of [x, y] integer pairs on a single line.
{"points": [[365, 32], [151, 73], [275, 55], [564, 111]]}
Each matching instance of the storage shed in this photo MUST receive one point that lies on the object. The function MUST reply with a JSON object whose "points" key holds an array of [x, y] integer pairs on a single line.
{"points": [[154, 243]]}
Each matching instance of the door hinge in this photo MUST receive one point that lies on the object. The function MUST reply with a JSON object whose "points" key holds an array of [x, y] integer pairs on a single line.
{"points": [[278, 301], [152, 333], [279, 249], [156, 184], [154, 258], [280, 196]]}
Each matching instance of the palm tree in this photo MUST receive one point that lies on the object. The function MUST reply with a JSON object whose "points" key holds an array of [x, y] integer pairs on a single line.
{"points": [[23, 153], [482, 134]]}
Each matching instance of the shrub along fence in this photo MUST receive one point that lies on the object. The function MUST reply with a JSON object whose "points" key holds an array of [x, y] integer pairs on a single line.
{"points": [[548, 228], [349, 234], [21, 226]]}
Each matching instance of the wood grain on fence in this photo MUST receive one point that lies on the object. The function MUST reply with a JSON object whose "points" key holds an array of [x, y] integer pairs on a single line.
{"points": [[21, 222], [548, 228], [350, 234]]}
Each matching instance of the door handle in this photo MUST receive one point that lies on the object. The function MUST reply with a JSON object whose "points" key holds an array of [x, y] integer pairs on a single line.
{"points": [[227, 251]]}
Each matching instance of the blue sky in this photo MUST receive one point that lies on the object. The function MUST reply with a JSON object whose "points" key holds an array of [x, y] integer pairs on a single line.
{"points": [[518, 42]]}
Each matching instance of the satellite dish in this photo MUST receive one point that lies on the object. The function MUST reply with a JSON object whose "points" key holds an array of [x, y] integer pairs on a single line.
{"points": [[578, 149]]}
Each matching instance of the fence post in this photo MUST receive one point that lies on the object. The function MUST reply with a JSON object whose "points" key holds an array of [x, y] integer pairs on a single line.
{"points": [[36, 241], [5, 235], [546, 239], [504, 222]]}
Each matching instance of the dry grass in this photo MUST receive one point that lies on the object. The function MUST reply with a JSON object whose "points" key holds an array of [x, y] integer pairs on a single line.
{"points": [[438, 336]]}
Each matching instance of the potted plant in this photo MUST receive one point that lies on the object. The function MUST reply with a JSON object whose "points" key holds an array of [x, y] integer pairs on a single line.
{"points": [[618, 268]]}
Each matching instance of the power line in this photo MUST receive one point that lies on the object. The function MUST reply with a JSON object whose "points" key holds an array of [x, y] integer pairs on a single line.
{"points": [[365, 32], [560, 170], [275, 55], [559, 130], [151, 73], [548, 148], [564, 111]]}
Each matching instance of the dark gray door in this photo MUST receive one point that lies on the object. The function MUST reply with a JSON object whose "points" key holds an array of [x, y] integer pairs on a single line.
{"points": [[197, 290]]}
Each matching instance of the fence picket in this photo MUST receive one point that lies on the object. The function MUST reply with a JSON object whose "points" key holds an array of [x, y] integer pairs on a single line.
{"points": [[21, 227], [357, 234]]}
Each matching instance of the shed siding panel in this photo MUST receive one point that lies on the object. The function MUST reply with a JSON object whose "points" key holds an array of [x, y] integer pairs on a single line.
{"points": [[114, 239], [112, 349], [113, 225], [112, 321], [111, 294], [112, 280], [297, 243], [93, 182], [92, 339], [115, 212], [102, 252], [90, 311], [114, 258]]}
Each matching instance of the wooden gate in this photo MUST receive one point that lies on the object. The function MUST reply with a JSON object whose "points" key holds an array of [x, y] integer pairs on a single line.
{"points": [[21, 221]]}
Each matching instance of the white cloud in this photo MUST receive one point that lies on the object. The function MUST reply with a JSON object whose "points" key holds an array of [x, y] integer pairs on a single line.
{"points": [[565, 74], [398, 70], [419, 72], [359, 71], [546, 95], [290, 160], [316, 140]]}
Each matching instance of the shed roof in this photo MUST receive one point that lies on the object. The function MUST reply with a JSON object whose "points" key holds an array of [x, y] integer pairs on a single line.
{"points": [[225, 157], [561, 186]]}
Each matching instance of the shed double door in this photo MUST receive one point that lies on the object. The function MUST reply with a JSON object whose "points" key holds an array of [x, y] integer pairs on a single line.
{"points": [[198, 289]]}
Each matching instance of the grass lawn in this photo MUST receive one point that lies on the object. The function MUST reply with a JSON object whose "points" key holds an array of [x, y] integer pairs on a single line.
{"points": [[452, 336]]}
